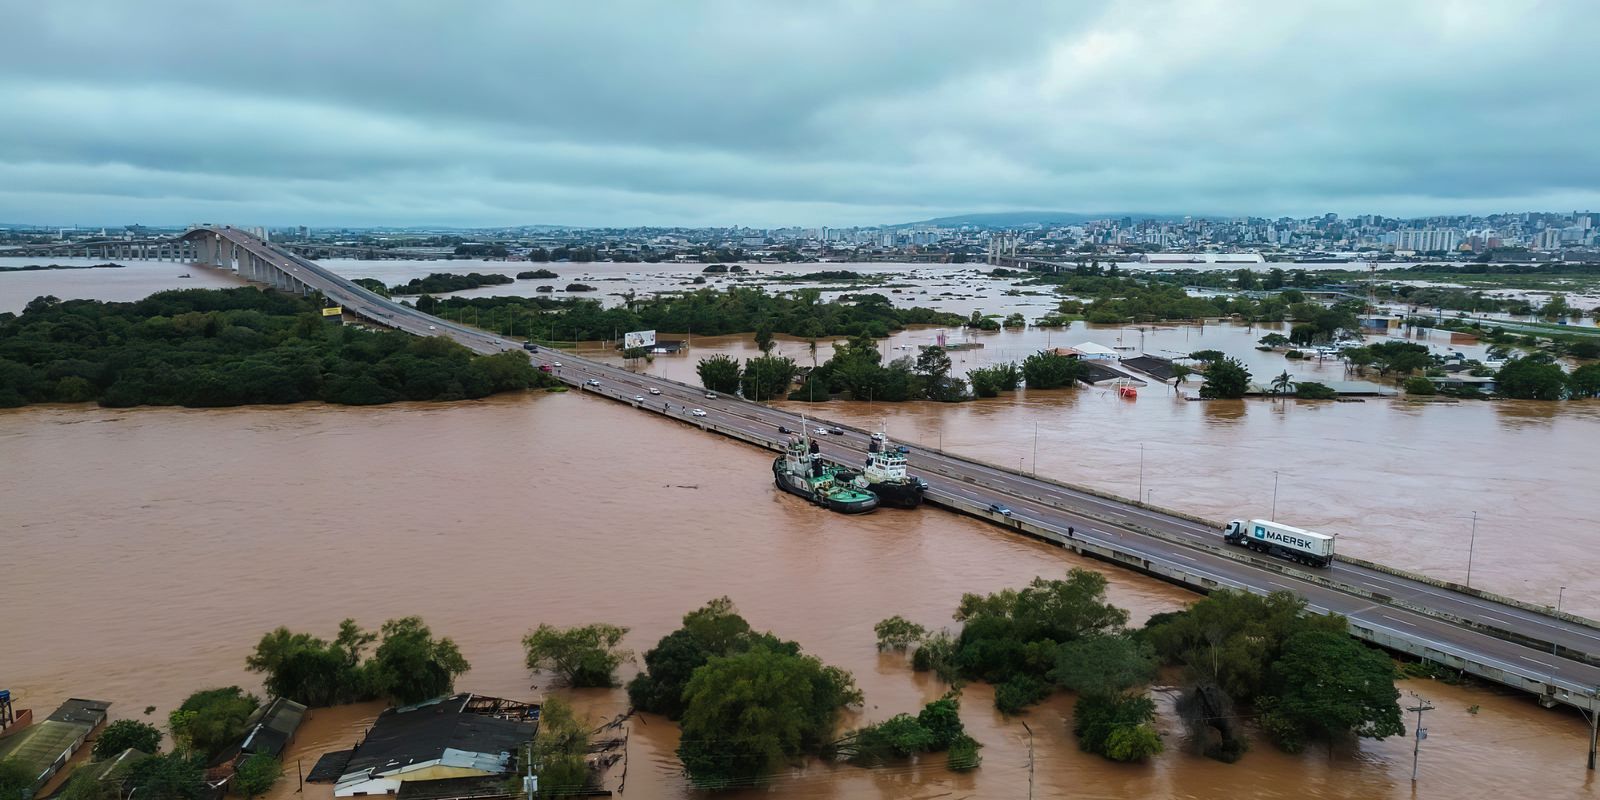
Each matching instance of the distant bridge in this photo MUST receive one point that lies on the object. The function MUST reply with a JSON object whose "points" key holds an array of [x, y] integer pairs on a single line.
{"points": [[181, 249]]}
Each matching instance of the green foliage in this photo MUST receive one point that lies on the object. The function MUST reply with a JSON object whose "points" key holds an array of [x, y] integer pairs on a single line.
{"points": [[1531, 378], [1133, 743], [1226, 378], [1207, 356], [372, 285], [1104, 663], [1305, 676], [933, 364], [1047, 370], [1585, 381], [173, 776], [256, 775], [441, 282], [990, 381], [963, 754], [719, 373], [410, 666], [1116, 726], [978, 321], [560, 750], [1327, 685], [1397, 357], [15, 780], [209, 721], [1011, 638], [1312, 390], [305, 669], [767, 377], [714, 629], [84, 784], [1018, 692], [1418, 385], [126, 733], [537, 274], [898, 633], [583, 656], [937, 654], [935, 729], [749, 713], [229, 347], [708, 312], [1015, 320], [1274, 340]]}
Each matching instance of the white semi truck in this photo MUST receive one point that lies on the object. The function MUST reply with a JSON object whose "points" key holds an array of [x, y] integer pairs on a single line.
{"points": [[1285, 541]]}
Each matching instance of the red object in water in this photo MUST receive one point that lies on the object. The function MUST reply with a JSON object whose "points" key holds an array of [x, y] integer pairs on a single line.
{"points": [[1128, 392]]}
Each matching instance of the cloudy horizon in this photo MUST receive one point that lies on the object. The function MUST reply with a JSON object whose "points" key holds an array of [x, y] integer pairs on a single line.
{"points": [[767, 114]]}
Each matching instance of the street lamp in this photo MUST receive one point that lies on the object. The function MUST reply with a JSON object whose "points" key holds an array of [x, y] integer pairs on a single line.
{"points": [[1274, 494], [1558, 598], [1036, 448], [1471, 545], [1141, 470]]}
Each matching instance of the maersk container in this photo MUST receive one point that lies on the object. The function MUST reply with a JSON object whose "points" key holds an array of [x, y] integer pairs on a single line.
{"points": [[1285, 541]]}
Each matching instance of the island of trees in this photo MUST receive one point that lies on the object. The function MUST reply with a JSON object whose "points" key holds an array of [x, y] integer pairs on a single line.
{"points": [[209, 347], [441, 282]]}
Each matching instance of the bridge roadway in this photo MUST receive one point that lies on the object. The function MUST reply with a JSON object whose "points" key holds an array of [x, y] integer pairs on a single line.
{"points": [[1174, 541]]}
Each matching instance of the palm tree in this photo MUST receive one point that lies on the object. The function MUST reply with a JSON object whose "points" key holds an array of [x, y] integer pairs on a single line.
{"points": [[1179, 372], [1282, 384]]}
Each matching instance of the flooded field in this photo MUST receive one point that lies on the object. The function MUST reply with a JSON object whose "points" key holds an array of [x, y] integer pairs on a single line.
{"points": [[152, 547]]}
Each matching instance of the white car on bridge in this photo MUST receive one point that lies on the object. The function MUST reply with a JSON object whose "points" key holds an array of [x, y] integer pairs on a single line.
{"points": [[699, 412]]}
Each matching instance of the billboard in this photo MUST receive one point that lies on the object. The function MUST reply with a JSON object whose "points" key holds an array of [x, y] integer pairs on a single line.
{"points": [[332, 311], [633, 339]]}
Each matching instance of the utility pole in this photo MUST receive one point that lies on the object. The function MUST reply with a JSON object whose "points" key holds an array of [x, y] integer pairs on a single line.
{"points": [[531, 782], [1030, 759], [1036, 449], [1422, 733]]}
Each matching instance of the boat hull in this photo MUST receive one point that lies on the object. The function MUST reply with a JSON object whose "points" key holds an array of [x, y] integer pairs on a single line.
{"points": [[799, 487]]}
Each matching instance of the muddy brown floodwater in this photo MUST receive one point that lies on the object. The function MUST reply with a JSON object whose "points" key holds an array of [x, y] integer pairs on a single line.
{"points": [[147, 550]]}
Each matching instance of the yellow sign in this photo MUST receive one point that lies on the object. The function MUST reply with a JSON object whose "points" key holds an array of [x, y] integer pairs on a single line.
{"points": [[332, 312]]}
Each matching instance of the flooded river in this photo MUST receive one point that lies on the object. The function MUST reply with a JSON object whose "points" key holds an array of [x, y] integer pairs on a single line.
{"points": [[148, 549]]}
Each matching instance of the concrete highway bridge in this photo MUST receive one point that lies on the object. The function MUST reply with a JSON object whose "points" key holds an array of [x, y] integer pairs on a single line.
{"points": [[182, 249], [1532, 648]]}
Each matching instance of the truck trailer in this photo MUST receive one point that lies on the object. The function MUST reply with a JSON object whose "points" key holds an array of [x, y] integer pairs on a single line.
{"points": [[1284, 541]]}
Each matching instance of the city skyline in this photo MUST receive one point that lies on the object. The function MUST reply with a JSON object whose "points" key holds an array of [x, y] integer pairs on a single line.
{"points": [[838, 114]]}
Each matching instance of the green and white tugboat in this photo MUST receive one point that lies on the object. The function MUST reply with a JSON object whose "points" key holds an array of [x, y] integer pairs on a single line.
{"points": [[801, 471]]}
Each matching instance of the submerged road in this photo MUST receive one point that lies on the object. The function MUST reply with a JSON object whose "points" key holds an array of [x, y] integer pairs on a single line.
{"points": [[1176, 540]]}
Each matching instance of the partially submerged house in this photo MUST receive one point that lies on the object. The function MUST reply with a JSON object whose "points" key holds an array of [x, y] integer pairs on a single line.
{"points": [[43, 748], [462, 736]]}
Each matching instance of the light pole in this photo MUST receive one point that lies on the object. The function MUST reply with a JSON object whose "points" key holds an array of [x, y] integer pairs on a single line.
{"points": [[1036, 449], [1141, 470], [1562, 591], [1471, 545], [1274, 494]]}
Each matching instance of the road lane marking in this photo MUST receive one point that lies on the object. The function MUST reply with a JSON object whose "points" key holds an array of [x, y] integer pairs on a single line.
{"points": [[1397, 619], [1537, 661]]}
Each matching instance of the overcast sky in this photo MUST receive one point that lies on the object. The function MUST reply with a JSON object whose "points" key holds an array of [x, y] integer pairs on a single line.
{"points": [[790, 113]]}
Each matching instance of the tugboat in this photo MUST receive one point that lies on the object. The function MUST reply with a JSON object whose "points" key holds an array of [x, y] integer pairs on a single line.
{"points": [[886, 477], [800, 471]]}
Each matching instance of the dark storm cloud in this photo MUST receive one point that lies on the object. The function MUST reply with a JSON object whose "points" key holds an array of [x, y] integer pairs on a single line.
{"points": [[789, 113]]}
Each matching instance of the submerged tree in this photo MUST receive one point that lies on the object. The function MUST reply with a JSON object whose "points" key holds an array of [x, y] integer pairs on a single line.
{"points": [[583, 656]]}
